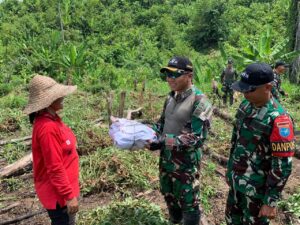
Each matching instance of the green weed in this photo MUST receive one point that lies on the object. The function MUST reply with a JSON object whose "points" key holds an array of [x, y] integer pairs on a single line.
{"points": [[5, 89], [12, 152], [111, 169], [292, 204], [208, 181], [206, 193], [12, 184], [127, 212], [12, 101]]}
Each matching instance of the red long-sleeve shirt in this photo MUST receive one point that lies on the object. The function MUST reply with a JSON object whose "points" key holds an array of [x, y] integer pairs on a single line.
{"points": [[55, 161]]}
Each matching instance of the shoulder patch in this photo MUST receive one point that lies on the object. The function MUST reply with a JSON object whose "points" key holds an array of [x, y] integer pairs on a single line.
{"points": [[282, 138], [203, 108]]}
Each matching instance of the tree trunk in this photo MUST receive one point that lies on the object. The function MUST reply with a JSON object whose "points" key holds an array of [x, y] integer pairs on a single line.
{"points": [[16, 167], [295, 73]]}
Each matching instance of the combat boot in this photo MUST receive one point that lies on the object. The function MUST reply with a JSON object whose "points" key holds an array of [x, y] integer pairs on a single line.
{"points": [[175, 215], [191, 218]]}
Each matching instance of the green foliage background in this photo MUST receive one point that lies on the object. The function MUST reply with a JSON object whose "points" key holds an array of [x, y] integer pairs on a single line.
{"points": [[107, 44], [102, 44]]}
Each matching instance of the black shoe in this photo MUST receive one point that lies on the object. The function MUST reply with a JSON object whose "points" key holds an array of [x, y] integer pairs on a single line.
{"points": [[191, 218], [175, 215]]}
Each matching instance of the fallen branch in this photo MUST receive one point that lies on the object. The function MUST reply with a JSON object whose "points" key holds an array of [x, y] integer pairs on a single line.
{"points": [[16, 140], [18, 219], [17, 166], [223, 116], [221, 159], [7, 208]]}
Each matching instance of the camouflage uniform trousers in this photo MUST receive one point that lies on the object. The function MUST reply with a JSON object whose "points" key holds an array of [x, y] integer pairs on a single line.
{"points": [[243, 210], [181, 190], [228, 92]]}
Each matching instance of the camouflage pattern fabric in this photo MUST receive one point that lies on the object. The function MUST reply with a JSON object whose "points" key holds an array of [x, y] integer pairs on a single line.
{"points": [[181, 154], [228, 76], [260, 159], [228, 92], [181, 190], [277, 90], [242, 209]]}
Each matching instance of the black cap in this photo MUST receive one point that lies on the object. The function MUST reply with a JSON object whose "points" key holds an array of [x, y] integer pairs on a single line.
{"points": [[254, 75], [280, 63], [176, 63]]}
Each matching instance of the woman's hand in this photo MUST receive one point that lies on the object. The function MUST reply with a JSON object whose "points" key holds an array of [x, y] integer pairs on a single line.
{"points": [[72, 206]]}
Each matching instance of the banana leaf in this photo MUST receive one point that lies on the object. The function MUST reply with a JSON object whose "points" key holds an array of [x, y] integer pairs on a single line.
{"points": [[279, 48], [291, 55]]}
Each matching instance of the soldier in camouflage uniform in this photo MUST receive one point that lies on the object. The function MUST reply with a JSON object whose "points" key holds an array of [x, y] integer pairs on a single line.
{"points": [[228, 76], [263, 144], [279, 69], [182, 129]]}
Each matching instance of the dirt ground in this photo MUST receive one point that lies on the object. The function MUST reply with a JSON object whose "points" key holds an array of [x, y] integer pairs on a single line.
{"points": [[29, 202]]}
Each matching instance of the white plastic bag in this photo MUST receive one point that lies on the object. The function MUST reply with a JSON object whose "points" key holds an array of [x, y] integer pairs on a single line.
{"points": [[130, 134]]}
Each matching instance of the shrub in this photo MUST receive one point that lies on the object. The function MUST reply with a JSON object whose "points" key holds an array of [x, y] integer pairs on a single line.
{"points": [[111, 169], [292, 204], [128, 212]]}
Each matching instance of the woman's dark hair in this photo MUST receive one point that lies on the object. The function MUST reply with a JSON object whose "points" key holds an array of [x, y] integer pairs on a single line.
{"points": [[32, 117]]}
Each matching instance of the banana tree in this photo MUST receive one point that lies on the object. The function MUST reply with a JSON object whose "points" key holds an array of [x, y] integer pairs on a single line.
{"points": [[262, 51], [205, 73], [73, 60]]}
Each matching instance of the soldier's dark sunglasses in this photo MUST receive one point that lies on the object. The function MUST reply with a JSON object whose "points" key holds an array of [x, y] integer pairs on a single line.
{"points": [[174, 74]]}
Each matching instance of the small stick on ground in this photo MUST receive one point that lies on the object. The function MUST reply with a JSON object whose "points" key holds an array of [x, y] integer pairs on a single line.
{"points": [[16, 140], [7, 208], [18, 219]]}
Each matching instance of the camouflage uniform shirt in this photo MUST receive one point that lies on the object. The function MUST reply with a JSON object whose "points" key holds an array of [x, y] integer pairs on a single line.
{"points": [[260, 159], [182, 144], [276, 90], [182, 128], [228, 76]]}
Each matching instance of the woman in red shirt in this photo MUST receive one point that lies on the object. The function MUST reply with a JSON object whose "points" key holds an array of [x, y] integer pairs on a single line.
{"points": [[55, 159]]}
